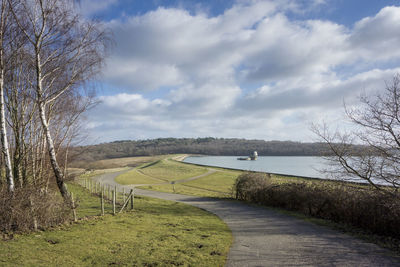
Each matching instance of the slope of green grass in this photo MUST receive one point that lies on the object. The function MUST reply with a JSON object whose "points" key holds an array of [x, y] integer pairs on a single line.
{"points": [[221, 181], [169, 170], [184, 190], [135, 177], [218, 184], [155, 233]]}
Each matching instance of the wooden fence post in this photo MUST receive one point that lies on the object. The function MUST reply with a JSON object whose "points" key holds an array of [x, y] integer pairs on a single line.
{"points": [[132, 198], [126, 201], [73, 207], [102, 201], [123, 194], [113, 201]]}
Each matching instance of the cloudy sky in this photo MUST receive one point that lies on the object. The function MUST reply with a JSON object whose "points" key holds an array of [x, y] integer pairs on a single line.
{"points": [[246, 69]]}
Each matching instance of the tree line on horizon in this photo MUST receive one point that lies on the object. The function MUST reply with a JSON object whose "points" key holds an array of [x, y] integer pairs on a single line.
{"points": [[203, 146]]}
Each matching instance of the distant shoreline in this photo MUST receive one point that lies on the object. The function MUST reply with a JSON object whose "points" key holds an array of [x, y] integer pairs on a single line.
{"points": [[181, 158]]}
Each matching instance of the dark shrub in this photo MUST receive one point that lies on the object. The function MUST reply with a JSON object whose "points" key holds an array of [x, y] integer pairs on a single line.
{"points": [[29, 208], [249, 184]]}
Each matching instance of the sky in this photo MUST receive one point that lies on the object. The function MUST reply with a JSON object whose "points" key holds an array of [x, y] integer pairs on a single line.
{"points": [[239, 69]]}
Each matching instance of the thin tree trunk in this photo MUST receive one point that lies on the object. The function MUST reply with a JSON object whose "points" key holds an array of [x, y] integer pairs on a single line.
{"points": [[42, 114], [53, 160], [3, 137], [3, 130]]}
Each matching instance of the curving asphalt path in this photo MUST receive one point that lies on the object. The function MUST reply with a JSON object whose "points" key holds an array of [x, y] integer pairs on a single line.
{"points": [[263, 237]]}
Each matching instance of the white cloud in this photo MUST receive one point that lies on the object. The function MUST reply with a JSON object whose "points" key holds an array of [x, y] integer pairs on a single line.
{"points": [[375, 38], [329, 96], [250, 72], [143, 75]]}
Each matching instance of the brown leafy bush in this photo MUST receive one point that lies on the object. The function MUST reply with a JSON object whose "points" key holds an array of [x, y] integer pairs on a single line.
{"points": [[29, 209], [358, 206], [249, 184]]}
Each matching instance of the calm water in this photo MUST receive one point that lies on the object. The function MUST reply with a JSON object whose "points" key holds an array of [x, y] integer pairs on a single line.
{"points": [[299, 166]]}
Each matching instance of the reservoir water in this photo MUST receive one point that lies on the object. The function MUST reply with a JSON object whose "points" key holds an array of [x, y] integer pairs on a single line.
{"points": [[286, 165], [298, 166]]}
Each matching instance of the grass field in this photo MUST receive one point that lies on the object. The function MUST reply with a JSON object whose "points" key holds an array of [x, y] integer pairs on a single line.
{"points": [[169, 170], [221, 181], [217, 184], [184, 190], [135, 177], [156, 233], [116, 163]]}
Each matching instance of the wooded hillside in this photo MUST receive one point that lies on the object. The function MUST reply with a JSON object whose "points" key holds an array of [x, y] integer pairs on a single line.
{"points": [[207, 146]]}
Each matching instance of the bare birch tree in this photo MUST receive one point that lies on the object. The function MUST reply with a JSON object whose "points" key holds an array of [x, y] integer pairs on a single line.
{"points": [[66, 51], [4, 23], [377, 127]]}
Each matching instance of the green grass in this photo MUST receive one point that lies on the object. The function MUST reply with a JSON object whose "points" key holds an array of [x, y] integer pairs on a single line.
{"points": [[115, 163], [218, 184], [221, 181], [156, 233], [135, 177], [184, 190], [169, 170], [88, 205]]}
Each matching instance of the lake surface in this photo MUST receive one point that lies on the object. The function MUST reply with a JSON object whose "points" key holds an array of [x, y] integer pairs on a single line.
{"points": [[298, 166]]}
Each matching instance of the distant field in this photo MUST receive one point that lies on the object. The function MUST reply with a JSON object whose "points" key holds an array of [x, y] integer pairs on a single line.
{"points": [[135, 177], [184, 190], [221, 181], [116, 163], [169, 170], [218, 184]]}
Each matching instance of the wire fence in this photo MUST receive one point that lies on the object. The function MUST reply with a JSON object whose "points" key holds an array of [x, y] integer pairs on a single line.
{"points": [[120, 200]]}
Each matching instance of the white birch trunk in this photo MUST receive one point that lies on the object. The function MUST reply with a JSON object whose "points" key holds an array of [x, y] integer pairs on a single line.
{"points": [[3, 136], [49, 140], [53, 159], [3, 130]]}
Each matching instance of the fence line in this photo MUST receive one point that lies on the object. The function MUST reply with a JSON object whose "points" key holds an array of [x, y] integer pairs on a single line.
{"points": [[106, 193]]}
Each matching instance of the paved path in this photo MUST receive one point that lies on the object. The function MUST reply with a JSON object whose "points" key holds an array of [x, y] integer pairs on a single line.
{"points": [[263, 237]]}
